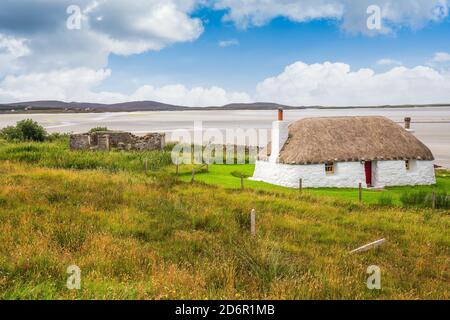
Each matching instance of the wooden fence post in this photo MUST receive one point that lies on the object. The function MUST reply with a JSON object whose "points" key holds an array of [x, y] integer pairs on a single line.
{"points": [[193, 176], [146, 165], [360, 192], [242, 182], [433, 200], [369, 246], [253, 222], [300, 185], [177, 169]]}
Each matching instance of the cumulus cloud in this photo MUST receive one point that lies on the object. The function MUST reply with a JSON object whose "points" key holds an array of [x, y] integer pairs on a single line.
{"points": [[351, 14], [300, 84], [389, 62], [334, 84], [117, 26], [144, 25], [228, 43], [65, 84], [195, 97], [441, 57], [247, 13], [60, 85], [131, 27], [11, 48]]}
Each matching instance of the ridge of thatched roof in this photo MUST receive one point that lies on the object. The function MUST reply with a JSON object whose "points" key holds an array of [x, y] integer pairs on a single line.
{"points": [[346, 139]]}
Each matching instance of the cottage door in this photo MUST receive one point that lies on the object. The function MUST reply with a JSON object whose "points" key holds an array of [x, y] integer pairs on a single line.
{"points": [[368, 170]]}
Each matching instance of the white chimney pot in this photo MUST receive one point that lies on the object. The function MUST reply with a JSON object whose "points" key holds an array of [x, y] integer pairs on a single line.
{"points": [[280, 134]]}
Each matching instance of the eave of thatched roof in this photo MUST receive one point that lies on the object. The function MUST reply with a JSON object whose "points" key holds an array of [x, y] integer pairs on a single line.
{"points": [[346, 139]]}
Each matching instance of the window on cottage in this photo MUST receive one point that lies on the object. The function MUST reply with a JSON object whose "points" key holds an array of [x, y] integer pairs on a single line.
{"points": [[408, 165], [329, 168]]}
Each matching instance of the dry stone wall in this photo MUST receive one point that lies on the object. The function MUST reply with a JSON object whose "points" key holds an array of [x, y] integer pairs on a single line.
{"points": [[108, 140]]}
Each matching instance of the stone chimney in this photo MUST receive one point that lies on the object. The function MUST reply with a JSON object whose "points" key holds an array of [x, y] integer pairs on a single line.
{"points": [[408, 125], [280, 133], [280, 114]]}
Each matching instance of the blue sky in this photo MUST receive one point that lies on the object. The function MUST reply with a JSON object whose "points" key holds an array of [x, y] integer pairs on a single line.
{"points": [[267, 50], [213, 52]]}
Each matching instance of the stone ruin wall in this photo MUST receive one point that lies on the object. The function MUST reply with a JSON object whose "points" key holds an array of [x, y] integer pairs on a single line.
{"points": [[108, 140]]}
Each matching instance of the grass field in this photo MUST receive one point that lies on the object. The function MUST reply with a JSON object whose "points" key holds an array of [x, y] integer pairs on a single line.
{"points": [[138, 235], [228, 176]]}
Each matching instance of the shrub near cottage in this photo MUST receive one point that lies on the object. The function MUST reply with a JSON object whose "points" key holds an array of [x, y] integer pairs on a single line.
{"points": [[98, 129], [422, 199], [25, 130]]}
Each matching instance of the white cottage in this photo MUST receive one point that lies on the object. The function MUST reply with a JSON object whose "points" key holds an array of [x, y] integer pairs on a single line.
{"points": [[344, 152]]}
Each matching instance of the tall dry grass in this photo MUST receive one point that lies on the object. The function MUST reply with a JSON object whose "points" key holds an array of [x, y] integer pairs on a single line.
{"points": [[149, 237]]}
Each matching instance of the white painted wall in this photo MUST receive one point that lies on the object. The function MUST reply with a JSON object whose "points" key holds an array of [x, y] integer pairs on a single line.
{"points": [[280, 134], [394, 173], [347, 174]]}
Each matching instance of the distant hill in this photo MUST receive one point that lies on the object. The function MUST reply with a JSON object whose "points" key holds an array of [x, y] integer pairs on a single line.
{"points": [[79, 107], [253, 106], [59, 106]]}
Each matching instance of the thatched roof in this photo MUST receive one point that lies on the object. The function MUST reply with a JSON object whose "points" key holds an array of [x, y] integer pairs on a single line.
{"points": [[345, 139]]}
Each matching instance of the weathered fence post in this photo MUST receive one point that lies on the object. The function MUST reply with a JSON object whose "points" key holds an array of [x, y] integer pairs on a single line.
{"points": [[253, 222], [146, 165], [433, 200], [207, 167], [177, 170], [193, 176], [242, 182], [360, 192], [300, 185]]}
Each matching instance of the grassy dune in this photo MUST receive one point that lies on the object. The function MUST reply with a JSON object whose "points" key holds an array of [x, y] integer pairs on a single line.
{"points": [[148, 236]]}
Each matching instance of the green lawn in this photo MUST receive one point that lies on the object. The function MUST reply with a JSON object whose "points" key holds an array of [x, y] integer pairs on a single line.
{"points": [[228, 176]]}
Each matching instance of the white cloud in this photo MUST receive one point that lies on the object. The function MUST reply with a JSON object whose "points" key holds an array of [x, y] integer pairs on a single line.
{"points": [[131, 27], [228, 43], [147, 25], [331, 84], [11, 48], [60, 85], [247, 13], [440, 57], [389, 62], [352, 14], [195, 97], [334, 84], [117, 26], [66, 84]]}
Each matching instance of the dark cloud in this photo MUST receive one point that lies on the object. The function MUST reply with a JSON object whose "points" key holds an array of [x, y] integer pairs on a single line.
{"points": [[26, 17]]}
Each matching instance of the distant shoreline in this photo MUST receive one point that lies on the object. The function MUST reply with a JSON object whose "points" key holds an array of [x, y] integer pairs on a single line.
{"points": [[75, 108]]}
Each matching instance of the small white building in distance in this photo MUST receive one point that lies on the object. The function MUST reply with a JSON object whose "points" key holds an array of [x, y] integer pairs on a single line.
{"points": [[343, 152]]}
